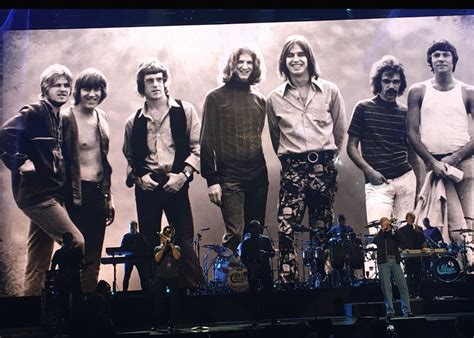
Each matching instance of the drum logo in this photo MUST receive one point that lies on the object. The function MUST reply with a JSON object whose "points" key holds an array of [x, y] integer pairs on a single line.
{"points": [[446, 269]]}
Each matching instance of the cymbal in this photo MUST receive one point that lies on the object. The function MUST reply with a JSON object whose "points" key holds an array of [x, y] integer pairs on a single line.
{"points": [[374, 224], [462, 231], [220, 250]]}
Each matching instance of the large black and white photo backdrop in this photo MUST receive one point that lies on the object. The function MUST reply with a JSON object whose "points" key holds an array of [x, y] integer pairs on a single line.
{"points": [[195, 55]]}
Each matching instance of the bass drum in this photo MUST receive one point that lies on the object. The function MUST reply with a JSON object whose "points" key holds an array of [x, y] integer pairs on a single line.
{"points": [[237, 279], [446, 269]]}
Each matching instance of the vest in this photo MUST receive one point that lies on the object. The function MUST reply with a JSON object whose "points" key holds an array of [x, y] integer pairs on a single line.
{"points": [[139, 145]]}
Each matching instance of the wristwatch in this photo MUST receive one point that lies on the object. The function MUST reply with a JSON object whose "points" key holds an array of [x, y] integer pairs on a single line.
{"points": [[187, 174]]}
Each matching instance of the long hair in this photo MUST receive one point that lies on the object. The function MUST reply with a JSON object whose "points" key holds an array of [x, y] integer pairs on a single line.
{"points": [[391, 65], [151, 66], [90, 78], [230, 67], [51, 74], [442, 45], [313, 67]]}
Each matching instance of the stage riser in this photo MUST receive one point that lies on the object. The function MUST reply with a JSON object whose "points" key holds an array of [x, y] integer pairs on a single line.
{"points": [[417, 306]]}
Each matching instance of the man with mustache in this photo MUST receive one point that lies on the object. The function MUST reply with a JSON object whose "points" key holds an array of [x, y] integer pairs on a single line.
{"points": [[40, 149], [385, 156]]}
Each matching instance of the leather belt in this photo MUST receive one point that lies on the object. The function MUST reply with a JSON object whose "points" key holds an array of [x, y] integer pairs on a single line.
{"points": [[310, 156]]}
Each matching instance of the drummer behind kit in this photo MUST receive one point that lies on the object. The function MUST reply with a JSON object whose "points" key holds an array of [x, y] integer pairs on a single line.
{"points": [[228, 270]]}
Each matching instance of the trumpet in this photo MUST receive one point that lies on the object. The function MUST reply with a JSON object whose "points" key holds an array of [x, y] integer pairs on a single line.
{"points": [[168, 232]]}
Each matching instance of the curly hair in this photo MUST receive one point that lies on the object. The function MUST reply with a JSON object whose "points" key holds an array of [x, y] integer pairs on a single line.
{"points": [[230, 67], [443, 45], [391, 65], [151, 66], [90, 78], [313, 67]]}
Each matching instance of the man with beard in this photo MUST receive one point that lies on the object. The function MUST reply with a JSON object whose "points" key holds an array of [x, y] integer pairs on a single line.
{"points": [[385, 157], [40, 149]]}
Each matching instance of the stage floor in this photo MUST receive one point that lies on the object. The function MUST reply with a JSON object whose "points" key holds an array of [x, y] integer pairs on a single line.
{"points": [[447, 310]]}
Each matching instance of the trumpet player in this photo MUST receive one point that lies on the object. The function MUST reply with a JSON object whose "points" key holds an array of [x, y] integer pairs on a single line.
{"points": [[167, 256], [388, 260]]}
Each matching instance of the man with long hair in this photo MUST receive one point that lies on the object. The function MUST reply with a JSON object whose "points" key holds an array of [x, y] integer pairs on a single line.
{"points": [[307, 123], [232, 158]]}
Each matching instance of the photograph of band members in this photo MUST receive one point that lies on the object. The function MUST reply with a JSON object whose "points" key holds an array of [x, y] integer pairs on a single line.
{"points": [[162, 149], [232, 160], [385, 157], [411, 237], [388, 260], [136, 244], [438, 128], [40, 149], [97, 208], [307, 122]]}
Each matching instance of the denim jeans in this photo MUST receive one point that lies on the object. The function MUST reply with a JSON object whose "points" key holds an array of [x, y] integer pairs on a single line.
{"points": [[48, 221], [90, 218], [386, 271], [150, 208], [394, 198], [242, 203]]}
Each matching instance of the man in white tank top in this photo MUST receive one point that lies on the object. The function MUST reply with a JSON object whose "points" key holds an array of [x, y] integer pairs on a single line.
{"points": [[438, 128]]}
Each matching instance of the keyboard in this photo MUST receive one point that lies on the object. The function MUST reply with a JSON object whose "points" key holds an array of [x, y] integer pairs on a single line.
{"points": [[422, 253]]}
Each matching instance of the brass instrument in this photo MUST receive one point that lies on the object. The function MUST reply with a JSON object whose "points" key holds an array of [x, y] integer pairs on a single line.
{"points": [[168, 232]]}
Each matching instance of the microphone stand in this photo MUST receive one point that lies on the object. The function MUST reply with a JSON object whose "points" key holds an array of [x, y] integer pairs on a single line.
{"points": [[265, 227]]}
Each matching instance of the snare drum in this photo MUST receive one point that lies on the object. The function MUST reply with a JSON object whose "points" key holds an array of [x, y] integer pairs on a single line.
{"points": [[446, 269]]}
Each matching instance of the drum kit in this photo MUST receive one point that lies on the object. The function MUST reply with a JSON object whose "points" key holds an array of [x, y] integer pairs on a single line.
{"points": [[331, 259], [228, 271], [444, 266]]}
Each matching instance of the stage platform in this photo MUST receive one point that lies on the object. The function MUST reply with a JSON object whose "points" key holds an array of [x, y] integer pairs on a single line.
{"points": [[445, 311]]}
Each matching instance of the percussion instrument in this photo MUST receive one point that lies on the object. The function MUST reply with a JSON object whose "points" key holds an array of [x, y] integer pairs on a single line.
{"points": [[446, 269]]}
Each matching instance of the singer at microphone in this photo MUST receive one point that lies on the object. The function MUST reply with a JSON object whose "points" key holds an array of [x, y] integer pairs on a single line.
{"points": [[388, 260]]}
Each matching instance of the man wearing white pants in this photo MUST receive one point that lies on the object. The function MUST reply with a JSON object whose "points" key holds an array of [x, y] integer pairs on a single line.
{"points": [[386, 158]]}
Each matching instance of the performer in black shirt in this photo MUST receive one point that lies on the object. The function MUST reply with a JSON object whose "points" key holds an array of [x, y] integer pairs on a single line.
{"points": [[135, 242], [388, 260], [411, 237]]}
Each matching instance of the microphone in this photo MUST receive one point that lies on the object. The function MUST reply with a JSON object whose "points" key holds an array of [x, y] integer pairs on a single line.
{"points": [[205, 229]]}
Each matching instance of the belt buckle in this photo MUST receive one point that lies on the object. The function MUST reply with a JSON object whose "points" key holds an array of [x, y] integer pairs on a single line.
{"points": [[312, 157]]}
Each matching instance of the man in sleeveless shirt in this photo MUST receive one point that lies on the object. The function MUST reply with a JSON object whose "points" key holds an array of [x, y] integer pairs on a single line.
{"points": [[438, 129], [162, 149], [385, 157]]}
